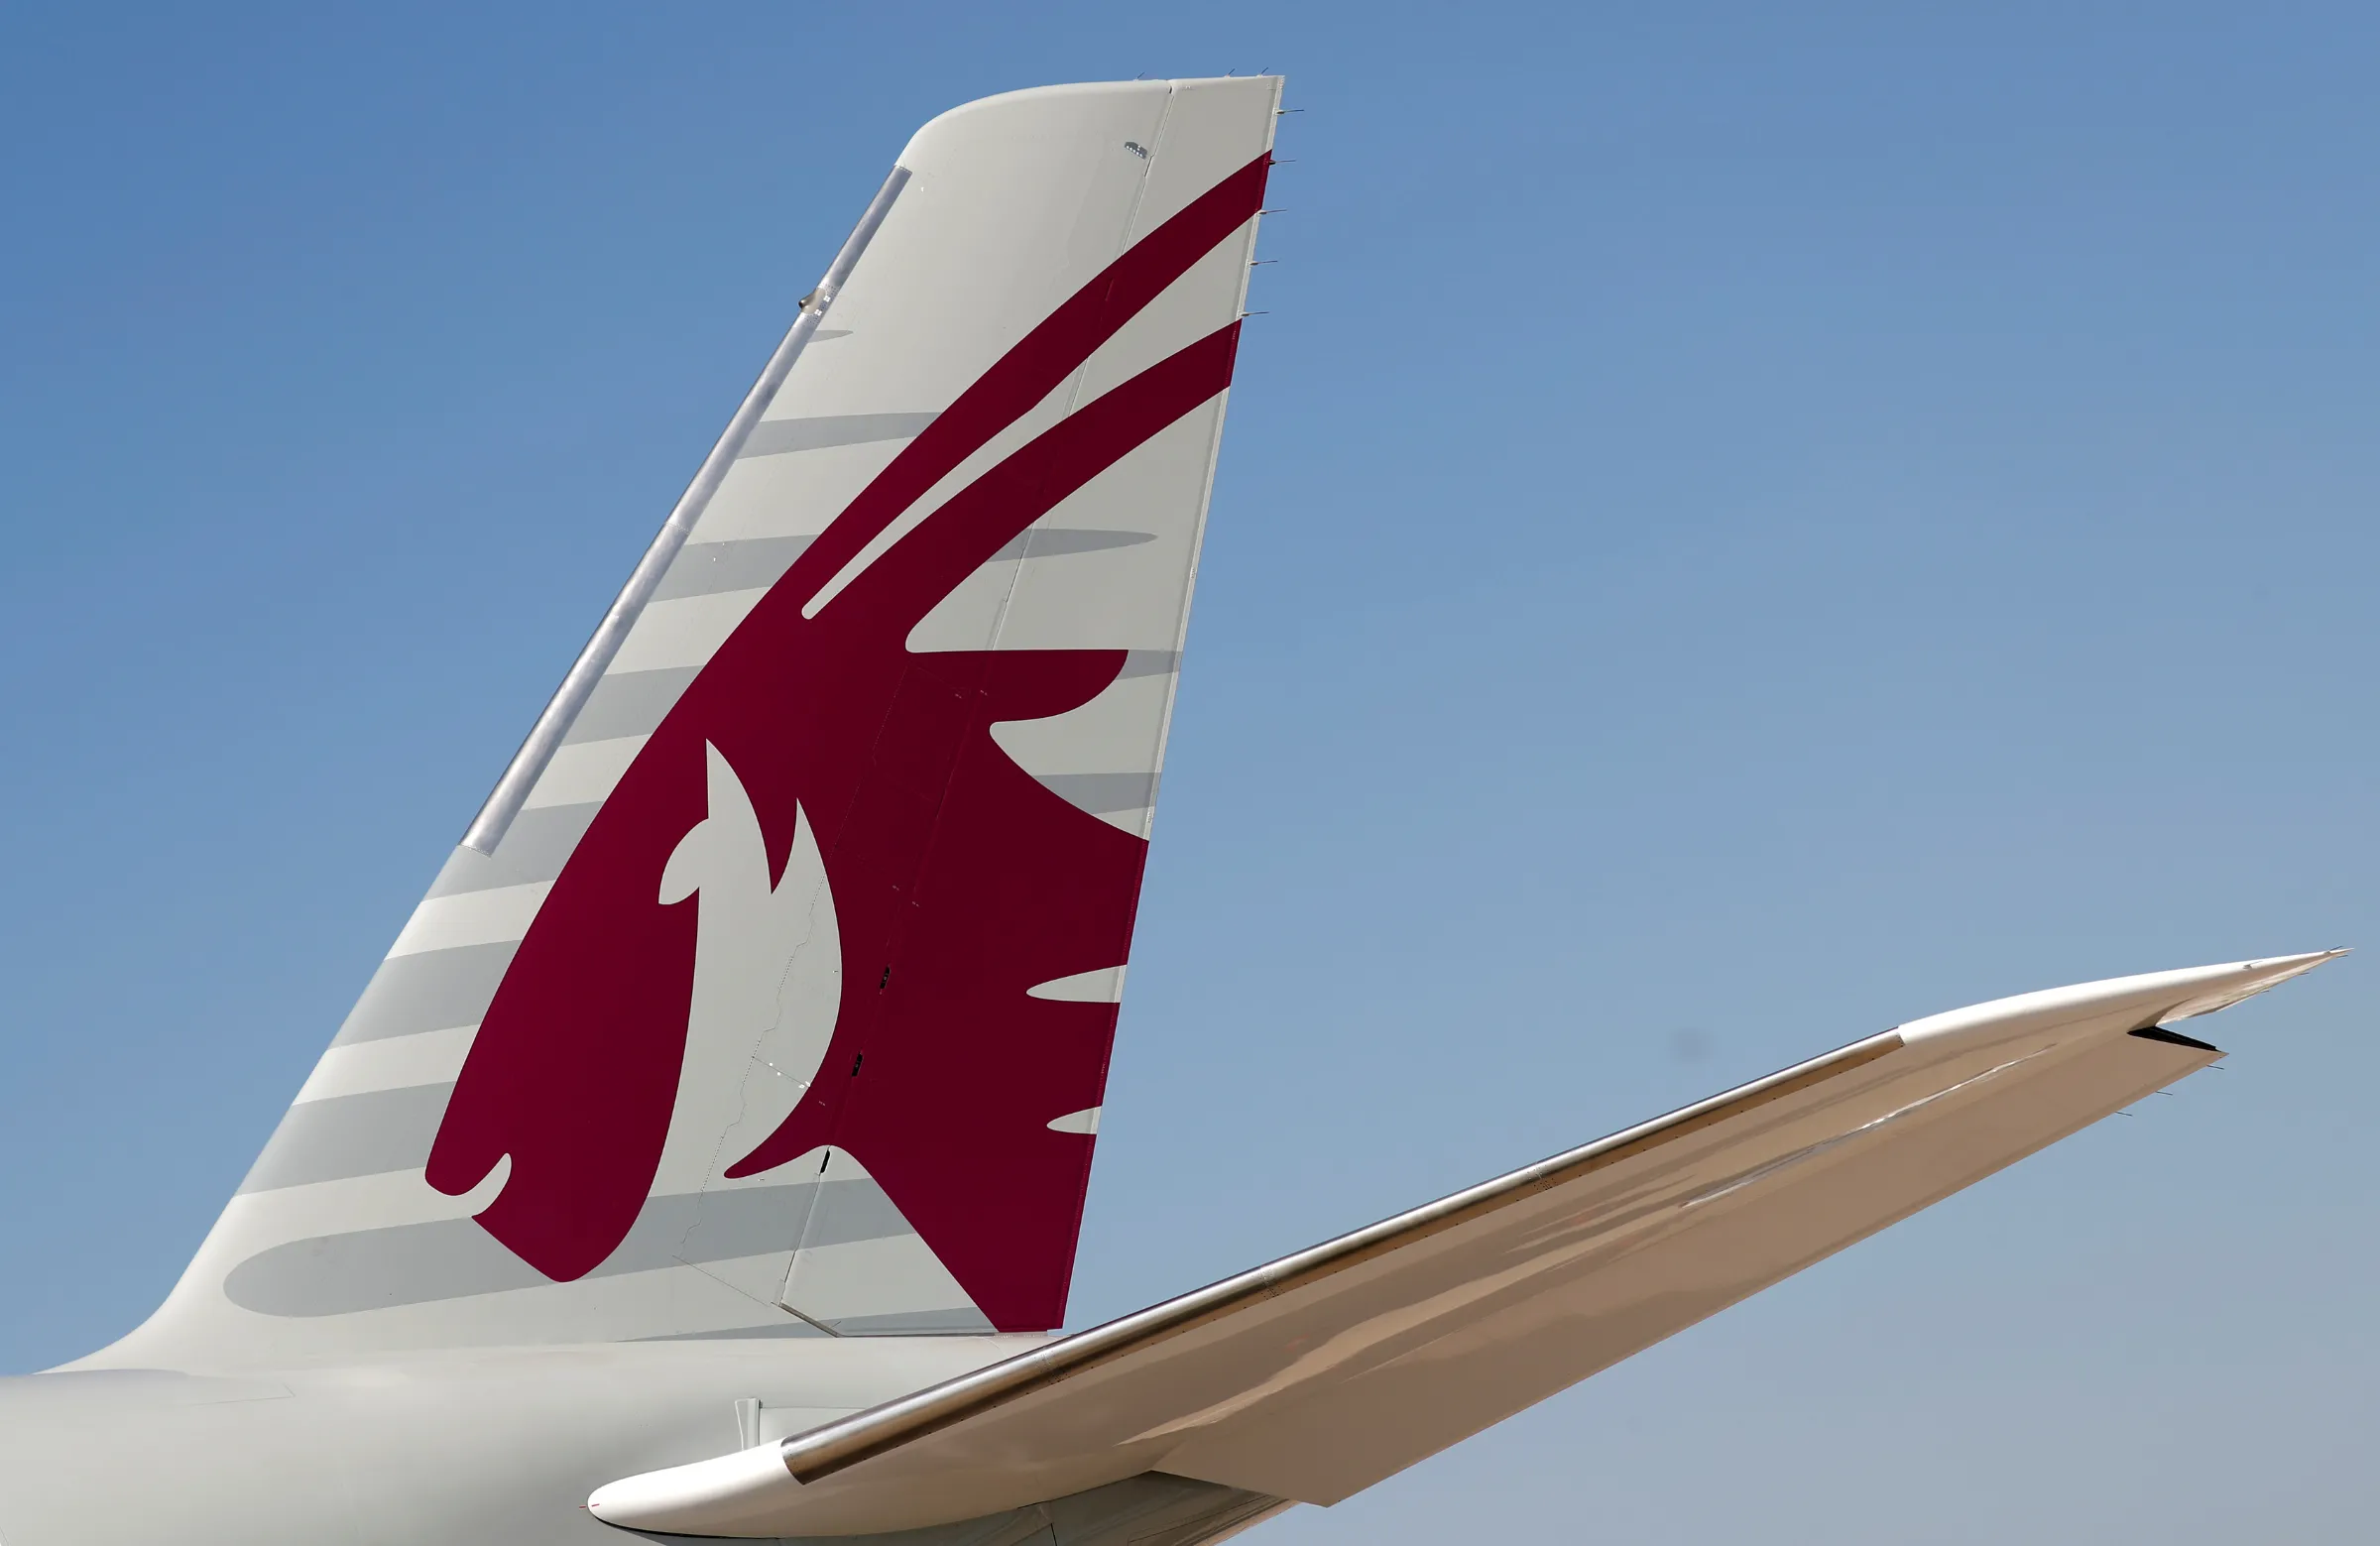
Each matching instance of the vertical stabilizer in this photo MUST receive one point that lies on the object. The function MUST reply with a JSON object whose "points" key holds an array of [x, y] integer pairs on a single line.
{"points": [[771, 992]]}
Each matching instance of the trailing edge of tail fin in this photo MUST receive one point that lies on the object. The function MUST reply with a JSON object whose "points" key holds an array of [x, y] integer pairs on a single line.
{"points": [[771, 992]]}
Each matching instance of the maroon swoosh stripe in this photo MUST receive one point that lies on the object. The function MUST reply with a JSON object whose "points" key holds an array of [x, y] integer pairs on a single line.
{"points": [[989, 513], [1035, 366]]}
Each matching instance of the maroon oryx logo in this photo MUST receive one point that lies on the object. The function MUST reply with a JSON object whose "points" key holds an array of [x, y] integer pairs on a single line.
{"points": [[957, 880]]}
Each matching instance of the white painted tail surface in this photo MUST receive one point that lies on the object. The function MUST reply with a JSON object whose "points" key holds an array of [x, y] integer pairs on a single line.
{"points": [[780, 1001]]}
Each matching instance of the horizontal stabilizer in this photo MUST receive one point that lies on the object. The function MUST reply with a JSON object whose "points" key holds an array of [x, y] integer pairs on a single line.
{"points": [[1325, 1371]]}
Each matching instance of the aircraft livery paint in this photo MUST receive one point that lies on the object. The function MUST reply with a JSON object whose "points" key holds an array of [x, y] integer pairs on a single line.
{"points": [[957, 880]]}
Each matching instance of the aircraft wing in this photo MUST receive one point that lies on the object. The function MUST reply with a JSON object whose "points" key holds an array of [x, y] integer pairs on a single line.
{"points": [[1322, 1372]]}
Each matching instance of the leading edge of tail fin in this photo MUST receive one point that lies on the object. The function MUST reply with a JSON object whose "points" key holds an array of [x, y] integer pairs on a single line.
{"points": [[771, 992]]}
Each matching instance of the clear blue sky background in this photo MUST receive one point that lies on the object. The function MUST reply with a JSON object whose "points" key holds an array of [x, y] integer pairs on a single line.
{"points": [[1742, 525]]}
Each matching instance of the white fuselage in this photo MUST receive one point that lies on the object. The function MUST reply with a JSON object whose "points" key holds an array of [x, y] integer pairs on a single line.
{"points": [[489, 1444]]}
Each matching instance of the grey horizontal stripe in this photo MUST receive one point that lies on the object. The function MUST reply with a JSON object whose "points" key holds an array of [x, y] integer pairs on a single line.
{"points": [[963, 1321], [454, 1258], [371, 1133], [756, 563], [534, 847], [1103, 794], [787, 1328], [435, 989], [630, 703], [1057, 542], [707, 568], [778, 436], [1149, 662]]}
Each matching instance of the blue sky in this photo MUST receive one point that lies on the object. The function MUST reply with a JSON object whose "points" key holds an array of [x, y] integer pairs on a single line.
{"points": [[1740, 526]]}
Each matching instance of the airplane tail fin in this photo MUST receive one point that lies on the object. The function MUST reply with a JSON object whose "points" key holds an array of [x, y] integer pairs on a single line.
{"points": [[771, 990]]}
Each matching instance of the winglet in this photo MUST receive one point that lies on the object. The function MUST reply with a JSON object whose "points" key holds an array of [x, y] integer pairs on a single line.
{"points": [[2118, 1005], [2254, 977]]}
